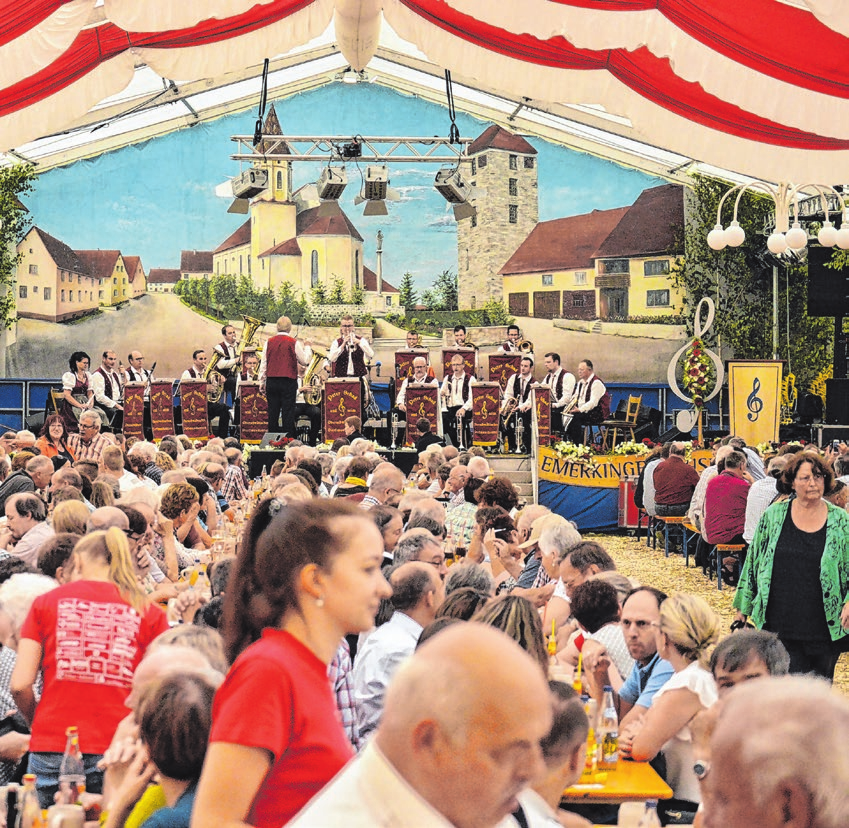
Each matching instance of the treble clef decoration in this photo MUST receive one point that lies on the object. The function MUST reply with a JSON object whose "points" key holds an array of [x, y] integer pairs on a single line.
{"points": [[686, 420], [753, 402]]}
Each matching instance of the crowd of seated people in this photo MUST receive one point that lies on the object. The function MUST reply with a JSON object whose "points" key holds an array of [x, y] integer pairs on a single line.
{"points": [[336, 643]]}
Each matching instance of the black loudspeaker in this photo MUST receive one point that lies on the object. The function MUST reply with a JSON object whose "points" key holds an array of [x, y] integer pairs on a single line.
{"points": [[35, 422], [828, 289], [674, 436], [837, 401]]}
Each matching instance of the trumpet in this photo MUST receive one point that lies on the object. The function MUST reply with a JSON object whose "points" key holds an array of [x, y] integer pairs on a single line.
{"points": [[394, 430], [460, 445], [509, 408], [518, 430]]}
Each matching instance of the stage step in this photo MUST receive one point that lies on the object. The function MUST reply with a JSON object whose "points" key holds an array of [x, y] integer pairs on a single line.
{"points": [[519, 470]]}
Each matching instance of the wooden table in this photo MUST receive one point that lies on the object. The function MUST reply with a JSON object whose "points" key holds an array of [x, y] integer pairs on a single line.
{"points": [[630, 782]]}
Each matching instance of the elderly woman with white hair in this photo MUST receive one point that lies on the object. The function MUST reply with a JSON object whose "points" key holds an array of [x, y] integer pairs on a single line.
{"points": [[16, 597]]}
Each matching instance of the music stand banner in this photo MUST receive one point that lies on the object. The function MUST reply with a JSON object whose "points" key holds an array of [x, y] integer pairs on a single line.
{"points": [[162, 408], [134, 410], [195, 415], [343, 398], [502, 367], [404, 362], [542, 413], [754, 390], [486, 413], [468, 355], [253, 413], [422, 401]]}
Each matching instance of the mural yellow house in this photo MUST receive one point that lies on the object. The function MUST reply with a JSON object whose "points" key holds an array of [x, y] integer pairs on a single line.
{"points": [[54, 283], [108, 267], [602, 265], [136, 276]]}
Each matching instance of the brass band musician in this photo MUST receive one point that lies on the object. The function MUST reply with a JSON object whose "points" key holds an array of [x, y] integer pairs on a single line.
{"points": [[349, 352], [562, 385], [228, 365], [518, 401], [419, 377], [511, 345], [214, 409], [414, 343], [457, 402]]}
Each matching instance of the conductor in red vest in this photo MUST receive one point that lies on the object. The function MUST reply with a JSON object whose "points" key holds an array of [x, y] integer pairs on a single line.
{"points": [[278, 375]]}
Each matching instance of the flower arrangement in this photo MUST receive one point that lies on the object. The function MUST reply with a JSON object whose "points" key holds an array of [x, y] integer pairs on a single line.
{"points": [[698, 372], [633, 447], [282, 442], [575, 453]]}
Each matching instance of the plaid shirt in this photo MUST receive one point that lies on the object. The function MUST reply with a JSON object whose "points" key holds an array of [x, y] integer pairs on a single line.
{"points": [[235, 485], [460, 522], [90, 451], [369, 502], [339, 675]]}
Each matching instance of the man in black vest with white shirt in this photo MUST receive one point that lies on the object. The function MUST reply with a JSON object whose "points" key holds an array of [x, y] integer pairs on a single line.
{"points": [[589, 405], [562, 385], [108, 390], [519, 389]]}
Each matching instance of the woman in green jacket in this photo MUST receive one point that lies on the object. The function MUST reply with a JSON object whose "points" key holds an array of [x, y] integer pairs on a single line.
{"points": [[795, 581]]}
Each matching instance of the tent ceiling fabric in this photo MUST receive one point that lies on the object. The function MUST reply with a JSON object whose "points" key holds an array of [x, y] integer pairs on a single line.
{"points": [[760, 88]]}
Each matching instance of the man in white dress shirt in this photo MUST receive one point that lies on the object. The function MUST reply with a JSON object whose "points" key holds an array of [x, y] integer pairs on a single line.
{"points": [[590, 402], [108, 389], [457, 401], [562, 385], [349, 352], [229, 363], [419, 376], [417, 592], [519, 388], [458, 742]]}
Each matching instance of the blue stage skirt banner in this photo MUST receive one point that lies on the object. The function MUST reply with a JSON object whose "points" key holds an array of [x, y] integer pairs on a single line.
{"points": [[588, 492]]}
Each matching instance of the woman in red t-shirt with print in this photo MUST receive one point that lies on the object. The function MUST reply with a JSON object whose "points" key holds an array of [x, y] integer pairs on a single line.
{"points": [[87, 637], [307, 574]]}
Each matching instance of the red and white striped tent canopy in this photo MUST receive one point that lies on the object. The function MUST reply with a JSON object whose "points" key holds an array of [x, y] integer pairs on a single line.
{"points": [[759, 88]]}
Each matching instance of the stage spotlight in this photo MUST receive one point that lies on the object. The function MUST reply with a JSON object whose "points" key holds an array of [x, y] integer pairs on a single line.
{"points": [[331, 183], [457, 191], [376, 191]]}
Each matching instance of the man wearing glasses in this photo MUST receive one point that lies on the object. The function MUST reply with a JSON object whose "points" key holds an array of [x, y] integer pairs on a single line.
{"points": [[640, 616], [349, 352], [386, 482], [136, 372], [89, 443]]}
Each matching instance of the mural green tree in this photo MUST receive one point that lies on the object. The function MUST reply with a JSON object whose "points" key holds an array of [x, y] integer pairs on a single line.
{"points": [[447, 289], [739, 280], [407, 292], [15, 181]]}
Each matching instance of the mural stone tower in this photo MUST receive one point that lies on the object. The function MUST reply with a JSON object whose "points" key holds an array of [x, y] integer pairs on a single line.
{"points": [[504, 165]]}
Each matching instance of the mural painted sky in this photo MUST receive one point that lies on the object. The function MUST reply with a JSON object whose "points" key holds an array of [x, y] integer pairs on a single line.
{"points": [[157, 198]]}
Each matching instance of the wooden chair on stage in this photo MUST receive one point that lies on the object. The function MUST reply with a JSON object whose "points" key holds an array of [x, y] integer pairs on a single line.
{"points": [[629, 424]]}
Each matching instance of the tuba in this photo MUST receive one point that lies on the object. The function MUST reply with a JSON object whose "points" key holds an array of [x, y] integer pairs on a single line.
{"points": [[214, 380], [525, 346], [248, 332], [311, 381]]}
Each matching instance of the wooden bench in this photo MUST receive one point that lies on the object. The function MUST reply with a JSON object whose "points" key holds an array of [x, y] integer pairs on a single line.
{"points": [[719, 549], [684, 524]]}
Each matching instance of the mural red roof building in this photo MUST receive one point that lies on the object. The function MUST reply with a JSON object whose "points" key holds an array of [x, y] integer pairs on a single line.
{"points": [[496, 137], [370, 282], [654, 223], [565, 243], [99, 263], [64, 257], [163, 276], [198, 261]]}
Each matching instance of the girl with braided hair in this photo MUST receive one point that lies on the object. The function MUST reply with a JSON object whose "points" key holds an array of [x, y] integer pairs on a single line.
{"points": [[307, 574]]}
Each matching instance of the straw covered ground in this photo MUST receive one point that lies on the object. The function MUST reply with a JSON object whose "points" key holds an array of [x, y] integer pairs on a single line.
{"points": [[648, 566]]}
